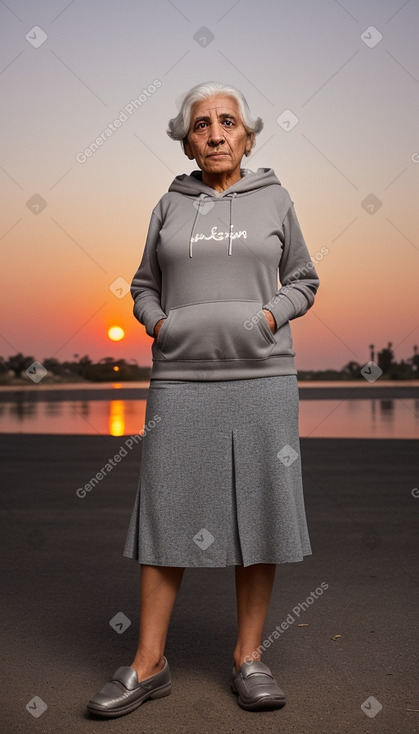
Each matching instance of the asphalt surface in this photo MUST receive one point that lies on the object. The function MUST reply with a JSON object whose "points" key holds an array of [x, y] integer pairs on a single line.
{"points": [[64, 579]]}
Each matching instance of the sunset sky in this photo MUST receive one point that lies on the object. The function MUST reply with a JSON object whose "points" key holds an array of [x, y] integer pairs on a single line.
{"points": [[348, 71]]}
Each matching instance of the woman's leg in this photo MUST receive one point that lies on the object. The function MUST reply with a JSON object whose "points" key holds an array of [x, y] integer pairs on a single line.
{"points": [[253, 592], [159, 587]]}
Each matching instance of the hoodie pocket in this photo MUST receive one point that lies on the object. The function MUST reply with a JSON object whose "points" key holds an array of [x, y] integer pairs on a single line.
{"points": [[215, 330]]}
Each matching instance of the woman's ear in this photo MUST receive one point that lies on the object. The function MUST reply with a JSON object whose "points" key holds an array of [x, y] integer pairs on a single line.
{"points": [[187, 149], [250, 143]]}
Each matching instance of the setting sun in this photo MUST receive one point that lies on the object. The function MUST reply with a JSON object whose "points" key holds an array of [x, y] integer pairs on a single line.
{"points": [[116, 333]]}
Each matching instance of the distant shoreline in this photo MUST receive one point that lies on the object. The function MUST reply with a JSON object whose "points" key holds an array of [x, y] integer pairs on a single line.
{"points": [[84, 391]]}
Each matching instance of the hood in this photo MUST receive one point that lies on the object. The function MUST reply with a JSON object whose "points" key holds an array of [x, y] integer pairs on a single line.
{"points": [[206, 197]]}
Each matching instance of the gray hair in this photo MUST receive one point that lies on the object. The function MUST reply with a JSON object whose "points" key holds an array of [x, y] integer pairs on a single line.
{"points": [[179, 126]]}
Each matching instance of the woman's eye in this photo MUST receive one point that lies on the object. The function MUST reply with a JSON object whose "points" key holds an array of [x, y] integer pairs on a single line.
{"points": [[201, 125]]}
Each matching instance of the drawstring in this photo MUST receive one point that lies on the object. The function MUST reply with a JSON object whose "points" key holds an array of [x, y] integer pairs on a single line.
{"points": [[198, 207], [201, 198], [230, 243]]}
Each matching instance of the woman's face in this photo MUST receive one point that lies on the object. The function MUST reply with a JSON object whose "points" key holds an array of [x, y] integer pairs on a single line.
{"points": [[217, 138]]}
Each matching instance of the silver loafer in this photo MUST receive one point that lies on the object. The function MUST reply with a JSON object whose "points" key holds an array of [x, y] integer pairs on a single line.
{"points": [[256, 687], [124, 693]]}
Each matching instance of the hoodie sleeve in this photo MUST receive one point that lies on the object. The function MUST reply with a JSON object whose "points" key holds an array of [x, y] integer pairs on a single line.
{"points": [[146, 283], [298, 277]]}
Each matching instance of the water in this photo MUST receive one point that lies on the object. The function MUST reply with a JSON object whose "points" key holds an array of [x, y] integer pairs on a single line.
{"points": [[352, 418]]}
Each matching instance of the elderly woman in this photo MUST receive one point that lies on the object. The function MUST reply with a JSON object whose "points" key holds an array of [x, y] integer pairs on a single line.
{"points": [[224, 270]]}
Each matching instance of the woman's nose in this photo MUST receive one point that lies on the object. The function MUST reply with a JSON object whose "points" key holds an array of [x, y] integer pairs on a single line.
{"points": [[216, 134]]}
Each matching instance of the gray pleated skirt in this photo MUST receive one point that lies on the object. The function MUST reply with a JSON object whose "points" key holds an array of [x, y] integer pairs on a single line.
{"points": [[220, 479]]}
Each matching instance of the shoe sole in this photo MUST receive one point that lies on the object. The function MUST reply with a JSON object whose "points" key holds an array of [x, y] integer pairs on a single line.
{"points": [[259, 704], [160, 692]]}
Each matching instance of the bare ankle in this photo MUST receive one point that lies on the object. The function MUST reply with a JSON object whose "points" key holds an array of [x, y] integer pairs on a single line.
{"points": [[147, 665], [240, 658]]}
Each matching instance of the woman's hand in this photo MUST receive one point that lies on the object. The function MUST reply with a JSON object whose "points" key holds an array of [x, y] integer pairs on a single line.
{"points": [[270, 319], [158, 327]]}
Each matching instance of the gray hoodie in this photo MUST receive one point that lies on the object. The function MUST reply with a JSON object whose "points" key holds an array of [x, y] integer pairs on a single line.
{"points": [[212, 261]]}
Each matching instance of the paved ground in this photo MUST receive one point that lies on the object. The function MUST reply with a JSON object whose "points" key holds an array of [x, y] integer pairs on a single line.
{"points": [[65, 578]]}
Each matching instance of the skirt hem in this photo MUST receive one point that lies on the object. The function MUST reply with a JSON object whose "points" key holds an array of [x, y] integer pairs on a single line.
{"points": [[214, 565]]}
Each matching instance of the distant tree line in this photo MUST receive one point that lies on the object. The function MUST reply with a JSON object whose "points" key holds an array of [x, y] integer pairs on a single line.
{"points": [[108, 369], [404, 370], [83, 368]]}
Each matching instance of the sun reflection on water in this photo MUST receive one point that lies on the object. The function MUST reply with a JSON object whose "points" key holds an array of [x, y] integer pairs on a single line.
{"points": [[116, 418]]}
